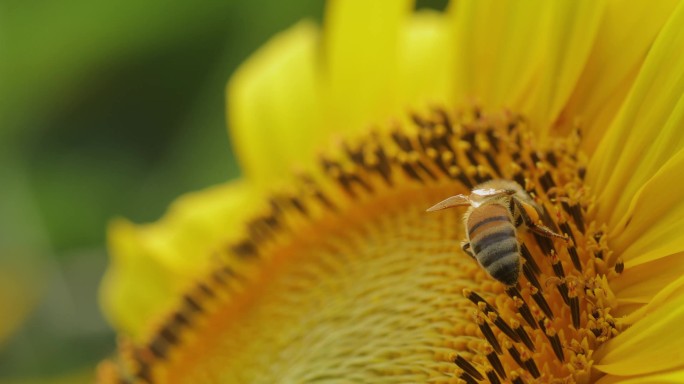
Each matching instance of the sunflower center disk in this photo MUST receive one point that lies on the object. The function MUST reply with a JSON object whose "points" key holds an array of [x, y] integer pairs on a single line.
{"points": [[349, 278]]}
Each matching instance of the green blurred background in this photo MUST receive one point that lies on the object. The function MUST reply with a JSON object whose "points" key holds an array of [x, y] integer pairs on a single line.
{"points": [[107, 108]]}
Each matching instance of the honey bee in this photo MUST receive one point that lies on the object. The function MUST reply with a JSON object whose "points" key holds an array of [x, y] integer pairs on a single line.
{"points": [[495, 209]]}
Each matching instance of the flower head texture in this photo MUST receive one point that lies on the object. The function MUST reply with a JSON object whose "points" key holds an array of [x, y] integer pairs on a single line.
{"points": [[322, 264]]}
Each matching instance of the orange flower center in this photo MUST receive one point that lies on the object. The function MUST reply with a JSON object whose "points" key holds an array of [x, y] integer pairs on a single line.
{"points": [[347, 277]]}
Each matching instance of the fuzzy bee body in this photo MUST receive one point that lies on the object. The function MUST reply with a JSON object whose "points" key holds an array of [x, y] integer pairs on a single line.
{"points": [[495, 209], [492, 238]]}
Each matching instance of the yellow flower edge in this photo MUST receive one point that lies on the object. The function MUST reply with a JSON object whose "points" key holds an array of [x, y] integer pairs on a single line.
{"points": [[665, 255], [152, 264]]}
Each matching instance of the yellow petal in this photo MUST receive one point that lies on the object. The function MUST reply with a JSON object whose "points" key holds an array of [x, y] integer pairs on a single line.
{"points": [[624, 36], [671, 377], [488, 37], [273, 106], [651, 244], [653, 223], [425, 61], [641, 281], [150, 264], [666, 295], [136, 286], [523, 55], [646, 132], [361, 43], [568, 39], [659, 328]]}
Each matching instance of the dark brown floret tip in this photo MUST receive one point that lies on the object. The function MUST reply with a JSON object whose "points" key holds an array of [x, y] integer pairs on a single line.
{"points": [[488, 333], [492, 377], [496, 365], [467, 367]]}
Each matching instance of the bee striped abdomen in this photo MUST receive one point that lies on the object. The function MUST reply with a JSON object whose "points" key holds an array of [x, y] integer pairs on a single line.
{"points": [[492, 237]]}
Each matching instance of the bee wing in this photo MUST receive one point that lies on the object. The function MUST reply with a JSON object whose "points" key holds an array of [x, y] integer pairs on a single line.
{"points": [[453, 201], [489, 192]]}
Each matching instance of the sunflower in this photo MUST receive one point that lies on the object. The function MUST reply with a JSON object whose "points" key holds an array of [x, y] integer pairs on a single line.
{"points": [[321, 264]]}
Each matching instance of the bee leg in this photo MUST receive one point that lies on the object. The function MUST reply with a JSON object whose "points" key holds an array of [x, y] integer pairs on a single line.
{"points": [[518, 221], [545, 231], [517, 217], [465, 246], [529, 222]]}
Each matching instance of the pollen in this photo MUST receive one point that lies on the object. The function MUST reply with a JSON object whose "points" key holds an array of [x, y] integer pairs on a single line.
{"points": [[345, 277]]}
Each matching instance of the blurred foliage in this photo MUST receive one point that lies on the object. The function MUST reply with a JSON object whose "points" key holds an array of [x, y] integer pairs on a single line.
{"points": [[106, 108]]}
